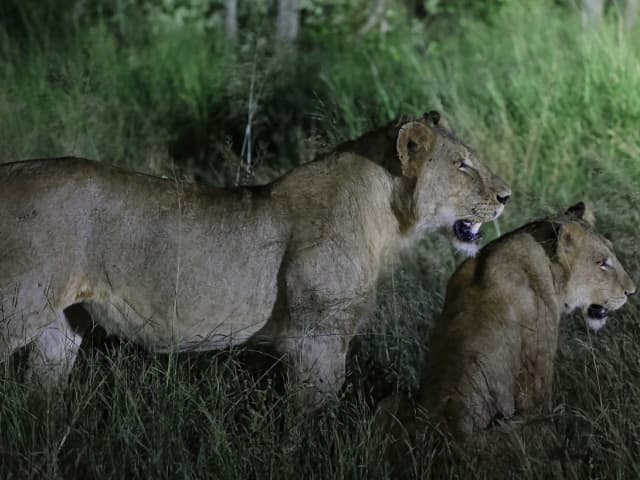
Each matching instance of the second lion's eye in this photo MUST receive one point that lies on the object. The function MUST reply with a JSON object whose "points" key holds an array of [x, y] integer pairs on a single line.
{"points": [[604, 264]]}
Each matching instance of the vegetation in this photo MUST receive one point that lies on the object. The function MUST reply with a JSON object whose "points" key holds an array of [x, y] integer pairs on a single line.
{"points": [[553, 106]]}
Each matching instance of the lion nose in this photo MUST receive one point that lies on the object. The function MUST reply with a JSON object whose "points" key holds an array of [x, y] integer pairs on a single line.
{"points": [[503, 199], [633, 291]]}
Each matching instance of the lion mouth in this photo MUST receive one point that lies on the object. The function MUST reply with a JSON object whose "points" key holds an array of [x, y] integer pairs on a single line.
{"points": [[467, 231], [597, 316], [597, 312]]}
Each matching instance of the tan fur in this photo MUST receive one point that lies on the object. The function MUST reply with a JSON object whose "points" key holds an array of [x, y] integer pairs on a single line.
{"points": [[176, 266], [493, 349]]}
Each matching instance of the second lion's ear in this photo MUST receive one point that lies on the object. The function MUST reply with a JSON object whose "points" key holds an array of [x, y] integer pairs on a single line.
{"points": [[576, 210], [414, 142], [570, 235], [432, 116], [582, 212]]}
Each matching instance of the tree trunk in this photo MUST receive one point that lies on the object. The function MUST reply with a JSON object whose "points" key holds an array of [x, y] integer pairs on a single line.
{"points": [[288, 21], [375, 18], [630, 13], [592, 11], [231, 19]]}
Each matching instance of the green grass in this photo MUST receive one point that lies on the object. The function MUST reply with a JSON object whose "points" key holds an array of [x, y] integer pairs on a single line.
{"points": [[554, 108]]}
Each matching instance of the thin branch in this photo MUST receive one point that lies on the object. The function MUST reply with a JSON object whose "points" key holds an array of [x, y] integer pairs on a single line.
{"points": [[246, 159]]}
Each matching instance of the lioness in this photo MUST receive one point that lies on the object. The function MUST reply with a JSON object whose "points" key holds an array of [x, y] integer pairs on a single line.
{"points": [[492, 351], [177, 266]]}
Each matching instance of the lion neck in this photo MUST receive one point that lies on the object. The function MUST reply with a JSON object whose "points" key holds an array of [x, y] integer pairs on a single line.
{"points": [[546, 232], [403, 204], [561, 274]]}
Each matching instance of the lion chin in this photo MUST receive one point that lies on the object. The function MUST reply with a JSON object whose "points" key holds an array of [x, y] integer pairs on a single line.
{"points": [[466, 237], [596, 316], [595, 324], [470, 249]]}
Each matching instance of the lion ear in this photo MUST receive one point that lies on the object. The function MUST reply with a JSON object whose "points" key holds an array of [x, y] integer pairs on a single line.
{"points": [[412, 137], [395, 125], [569, 235], [433, 117], [576, 210], [582, 212]]}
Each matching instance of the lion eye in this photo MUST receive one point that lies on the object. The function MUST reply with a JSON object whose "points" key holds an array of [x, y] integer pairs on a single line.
{"points": [[462, 164], [604, 264]]}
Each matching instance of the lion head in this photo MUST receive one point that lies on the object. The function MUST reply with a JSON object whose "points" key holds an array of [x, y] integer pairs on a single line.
{"points": [[454, 189], [596, 281]]}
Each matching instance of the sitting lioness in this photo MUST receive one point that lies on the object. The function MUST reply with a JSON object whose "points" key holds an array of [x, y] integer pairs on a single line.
{"points": [[492, 352], [177, 266]]}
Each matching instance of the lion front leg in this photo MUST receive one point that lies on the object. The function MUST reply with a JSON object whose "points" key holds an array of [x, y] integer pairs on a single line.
{"points": [[317, 365], [316, 345], [327, 293]]}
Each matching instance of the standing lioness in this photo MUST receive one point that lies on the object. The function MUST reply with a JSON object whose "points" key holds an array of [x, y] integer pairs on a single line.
{"points": [[178, 266]]}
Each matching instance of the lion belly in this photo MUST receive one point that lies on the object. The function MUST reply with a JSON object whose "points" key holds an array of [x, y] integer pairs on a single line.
{"points": [[229, 321], [215, 295]]}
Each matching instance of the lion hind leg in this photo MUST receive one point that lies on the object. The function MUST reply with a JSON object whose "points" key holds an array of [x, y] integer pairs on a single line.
{"points": [[53, 354]]}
